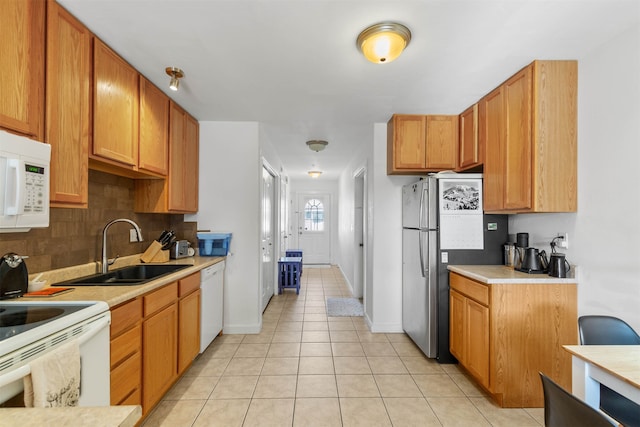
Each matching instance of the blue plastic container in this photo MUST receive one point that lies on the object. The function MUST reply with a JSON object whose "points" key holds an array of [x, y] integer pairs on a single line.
{"points": [[213, 244]]}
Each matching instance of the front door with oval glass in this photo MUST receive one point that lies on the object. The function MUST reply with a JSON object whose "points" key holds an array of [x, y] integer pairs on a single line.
{"points": [[314, 225]]}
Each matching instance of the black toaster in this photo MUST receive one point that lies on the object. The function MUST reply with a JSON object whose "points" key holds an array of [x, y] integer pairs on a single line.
{"points": [[14, 278]]}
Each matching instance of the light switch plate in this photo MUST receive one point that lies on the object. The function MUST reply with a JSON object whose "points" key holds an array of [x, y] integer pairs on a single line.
{"points": [[132, 235], [444, 257]]}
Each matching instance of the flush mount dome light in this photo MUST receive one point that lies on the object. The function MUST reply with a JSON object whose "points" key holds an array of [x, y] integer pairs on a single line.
{"points": [[176, 74], [317, 145], [314, 174], [383, 42]]}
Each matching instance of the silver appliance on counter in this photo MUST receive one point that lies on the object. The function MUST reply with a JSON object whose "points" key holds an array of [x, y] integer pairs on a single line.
{"points": [[179, 249], [442, 223]]}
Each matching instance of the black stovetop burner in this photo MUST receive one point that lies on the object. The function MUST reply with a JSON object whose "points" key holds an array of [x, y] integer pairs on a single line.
{"points": [[16, 318]]}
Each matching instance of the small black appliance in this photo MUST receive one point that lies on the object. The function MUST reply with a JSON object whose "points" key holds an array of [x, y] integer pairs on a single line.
{"points": [[14, 278]]}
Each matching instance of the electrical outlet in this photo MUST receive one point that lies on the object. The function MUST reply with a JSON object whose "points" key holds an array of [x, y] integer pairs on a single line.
{"points": [[133, 237], [563, 241]]}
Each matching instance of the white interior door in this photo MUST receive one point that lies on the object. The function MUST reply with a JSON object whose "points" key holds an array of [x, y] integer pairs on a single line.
{"points": [[285, 227], [267, 226], [359, 235], [314, 228]]}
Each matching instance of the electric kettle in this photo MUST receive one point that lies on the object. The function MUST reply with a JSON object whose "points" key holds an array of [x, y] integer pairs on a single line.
{"points": [[558, 265], [534, 261]]}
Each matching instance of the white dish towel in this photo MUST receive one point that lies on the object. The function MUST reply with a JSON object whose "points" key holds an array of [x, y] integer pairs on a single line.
{"points": [[55, 378]]}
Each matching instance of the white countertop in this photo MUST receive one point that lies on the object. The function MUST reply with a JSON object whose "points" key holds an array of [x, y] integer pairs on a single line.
{"points": [[500, 274]]}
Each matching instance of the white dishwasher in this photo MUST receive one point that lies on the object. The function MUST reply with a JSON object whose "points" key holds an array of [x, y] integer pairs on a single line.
{"points": [[211, 294]]}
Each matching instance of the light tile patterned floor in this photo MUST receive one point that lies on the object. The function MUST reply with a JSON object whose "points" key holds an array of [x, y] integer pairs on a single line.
{"points": [[307, 369]]}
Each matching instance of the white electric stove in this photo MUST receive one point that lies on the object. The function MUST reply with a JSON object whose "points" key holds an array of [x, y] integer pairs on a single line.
{"points": [[29, 329]]}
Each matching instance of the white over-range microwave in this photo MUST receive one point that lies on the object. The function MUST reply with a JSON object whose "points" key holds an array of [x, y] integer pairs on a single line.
{"points": [[24, 183]]}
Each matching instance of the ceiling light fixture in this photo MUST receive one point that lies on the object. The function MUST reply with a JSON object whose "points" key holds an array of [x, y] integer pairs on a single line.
{"points": [[383, 42], [314, 174], [317, 145], [176, 74]]}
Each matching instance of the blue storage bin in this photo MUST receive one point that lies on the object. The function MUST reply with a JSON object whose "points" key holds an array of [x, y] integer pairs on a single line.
{"points": [[213, 244]]}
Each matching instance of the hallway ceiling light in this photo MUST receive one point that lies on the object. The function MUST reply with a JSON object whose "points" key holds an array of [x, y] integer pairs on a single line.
{"points": [[383, 42], [314, 174], [176, 74], [317, 145]]}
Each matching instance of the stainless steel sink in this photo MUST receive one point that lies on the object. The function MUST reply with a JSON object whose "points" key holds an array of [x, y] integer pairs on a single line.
{"points": [[126, 276]]}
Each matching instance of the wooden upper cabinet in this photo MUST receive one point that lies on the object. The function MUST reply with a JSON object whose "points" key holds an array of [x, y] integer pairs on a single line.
{"points": [[68, 109], [491, 135], [22, 52], [518, 143], [154, 129], [471, 154], [177, 119], [191, 160], [115, 107], [420, 144], [529, 126], [406, 143], [183, 166], [178, 193], [441, 142]]}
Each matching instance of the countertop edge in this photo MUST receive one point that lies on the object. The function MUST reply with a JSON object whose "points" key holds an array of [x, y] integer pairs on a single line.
{"points": [[115, 295], [103, 416], [502, 275]]}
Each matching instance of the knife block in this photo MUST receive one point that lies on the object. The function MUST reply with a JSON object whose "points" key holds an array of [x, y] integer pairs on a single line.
{"points": [[154, 253]]}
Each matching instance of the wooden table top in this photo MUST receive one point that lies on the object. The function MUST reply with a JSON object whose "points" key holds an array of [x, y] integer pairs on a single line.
{"points": [[622, 361]]}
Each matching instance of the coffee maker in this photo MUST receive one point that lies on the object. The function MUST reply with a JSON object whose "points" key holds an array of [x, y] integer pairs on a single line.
{"points": [[522, 242]]}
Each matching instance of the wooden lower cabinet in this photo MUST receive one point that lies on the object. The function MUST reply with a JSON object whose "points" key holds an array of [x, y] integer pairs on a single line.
{"points": [[188, 321], [126, 347], [504, 334], [189, 326], [154, 339], [160, 342]]}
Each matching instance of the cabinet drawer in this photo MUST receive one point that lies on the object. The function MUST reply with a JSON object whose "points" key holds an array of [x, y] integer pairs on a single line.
{"points": [[189, 284], [160, 298], [134, 398], [125, 345], [125, 379], [470, 288], [125, 316]]}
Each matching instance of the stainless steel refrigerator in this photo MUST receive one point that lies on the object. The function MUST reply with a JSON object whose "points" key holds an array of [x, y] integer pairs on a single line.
{"points": [[442, 223]]}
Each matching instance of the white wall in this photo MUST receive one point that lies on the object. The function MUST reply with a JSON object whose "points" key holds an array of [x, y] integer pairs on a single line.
{"points": [[383, 250], [386, 260], [604, 235], [229, 199], [317, 186], [347, 245]]}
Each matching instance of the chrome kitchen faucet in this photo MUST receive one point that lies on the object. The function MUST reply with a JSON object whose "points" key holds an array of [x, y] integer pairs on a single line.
{"points": [[105, 262]]}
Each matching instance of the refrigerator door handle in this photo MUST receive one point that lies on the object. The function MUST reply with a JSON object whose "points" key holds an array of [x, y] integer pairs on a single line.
{"points": [[421, 214], [420, 246]]}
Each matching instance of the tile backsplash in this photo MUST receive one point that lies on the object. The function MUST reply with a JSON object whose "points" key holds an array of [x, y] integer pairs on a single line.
{"points": [[74, 236]]}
